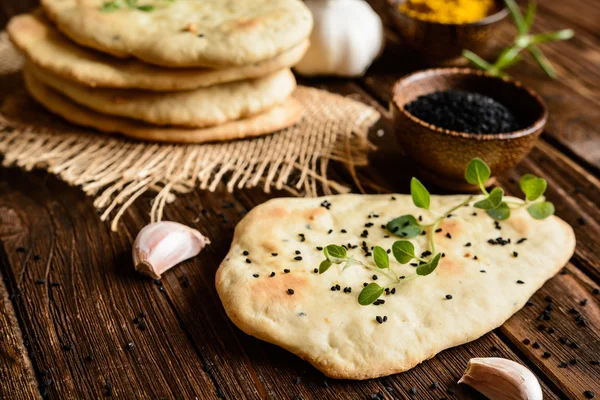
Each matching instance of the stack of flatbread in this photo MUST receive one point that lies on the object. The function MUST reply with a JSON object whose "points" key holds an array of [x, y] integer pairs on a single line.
{"points": [[166, 70]]}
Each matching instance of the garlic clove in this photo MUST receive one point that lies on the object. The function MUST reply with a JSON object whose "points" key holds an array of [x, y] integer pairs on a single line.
{"points": [[162, 245], [501, 379]]}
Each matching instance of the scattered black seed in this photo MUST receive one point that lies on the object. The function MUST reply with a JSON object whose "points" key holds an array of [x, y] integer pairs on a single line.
{"points": [[550, 330], [482, 271], [536, 345], [521, 240], [129, 346], [595, 362], [298, 258], [596, 291], [255, 275], [474, 257], [316, 270], [448, 235], [37, 257], [541, 327], [136, 320], [573, 361], [274, 254], [526, 341], [574, 346], [438, 230], [573, 311], [245, 252], [40, 281], [143, 314], [546, 355], [564, 271], [494, 348], [581, 220], [287, 271], [563, 365], [67, 347], [290, 291], [89, 358], [589, 394], [515, 254], [583, 302], [272, 274], [468, 244], [449, 297], [329, 231], [379, 319], [365, 284], [319, 248], [375, 277], [563, 340], [142, 326], [520, 282], [248, 261]]}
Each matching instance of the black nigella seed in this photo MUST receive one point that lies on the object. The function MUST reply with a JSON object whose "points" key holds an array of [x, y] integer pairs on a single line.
{"points": [[546, 355], [379, 319], [541, 327], [337, 287], [298, 258], [581, 220], [245, 252], [287, 271], [67, 347], [563, 365], [142, 326], [37, 257], [449, 296], [520, 282], [316, 270], [515, 254], [574, 346], [248, 261], [564, 271], [274, 254], [343, 231], [448, 235], [529, 303], [521, 240], [375, 277], [365, 284], [272, 274], [40, 281], [596, 291], [482, 271], [255, 275], [494, 348], [468, 244], [573, 361], [595, 362], [20, 249], [563, 340], [536, 345], [319, 248], [474, 257], [589, 394], [136, 320], [583, 302], [526, 341], [108, 389], [438, 230], [290, 291]]}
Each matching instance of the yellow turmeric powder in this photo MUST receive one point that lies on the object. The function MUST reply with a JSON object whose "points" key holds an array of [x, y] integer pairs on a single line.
{"points": [[447, 11]]}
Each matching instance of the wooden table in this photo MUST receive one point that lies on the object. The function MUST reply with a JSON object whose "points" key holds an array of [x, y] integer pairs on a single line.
{"points": [[68, 338]]}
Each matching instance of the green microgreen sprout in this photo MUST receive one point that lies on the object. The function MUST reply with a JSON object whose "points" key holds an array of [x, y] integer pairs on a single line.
{"points": [[407, 227], [523, 41]]}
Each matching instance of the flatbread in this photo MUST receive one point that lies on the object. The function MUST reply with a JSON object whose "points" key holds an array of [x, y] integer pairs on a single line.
{"points": [[270, 121], [47, 48], [342, 338], [203, 107], [186, 33]]}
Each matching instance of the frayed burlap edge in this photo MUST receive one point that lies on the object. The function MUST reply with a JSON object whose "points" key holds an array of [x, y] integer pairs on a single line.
{"points": [[117, 171]]}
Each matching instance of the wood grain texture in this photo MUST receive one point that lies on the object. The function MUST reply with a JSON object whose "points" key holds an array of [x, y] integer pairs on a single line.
{"points": [[186, 347]]}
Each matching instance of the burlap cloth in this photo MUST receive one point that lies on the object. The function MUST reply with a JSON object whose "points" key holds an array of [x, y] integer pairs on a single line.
{"points": [[116, 171]]}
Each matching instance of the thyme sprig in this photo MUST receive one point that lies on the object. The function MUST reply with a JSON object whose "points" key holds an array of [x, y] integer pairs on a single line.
{"points": [[523, 41], [408, 227]]}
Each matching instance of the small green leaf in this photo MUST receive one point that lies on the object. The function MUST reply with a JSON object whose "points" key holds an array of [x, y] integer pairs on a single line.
{"points": [[369, 294], [335, 254], [405, 226], [420, 195], [403, 251], [532, 186], [146, 7], [110, 6], [382, 260], [500, 213], [477, 172], [530, 15], [325, 264], [426, 269], [517, 16], [492, 201], [131, 3], [541, 210]]}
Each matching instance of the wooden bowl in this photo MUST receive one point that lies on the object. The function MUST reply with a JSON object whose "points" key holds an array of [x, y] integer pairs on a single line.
{"points": [[442, 154], [436, 42]]}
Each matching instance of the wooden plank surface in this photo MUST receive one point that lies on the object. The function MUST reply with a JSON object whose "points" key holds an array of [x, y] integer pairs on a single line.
{"points": [[186, 347]]}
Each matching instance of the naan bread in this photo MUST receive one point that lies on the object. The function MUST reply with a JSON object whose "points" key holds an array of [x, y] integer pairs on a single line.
{"points": [[50, 50], [186, 33], [342, 338], [270, 121], [199, 108]]}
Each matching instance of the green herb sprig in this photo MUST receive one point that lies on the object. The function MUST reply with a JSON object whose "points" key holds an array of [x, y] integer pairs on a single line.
{"points": [[408, 227], [523, 41], [114, 5]]}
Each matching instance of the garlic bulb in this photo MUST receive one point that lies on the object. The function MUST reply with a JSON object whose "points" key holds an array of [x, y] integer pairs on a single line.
{"points": [[347, 36], [501, 379], [162, 245]]}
